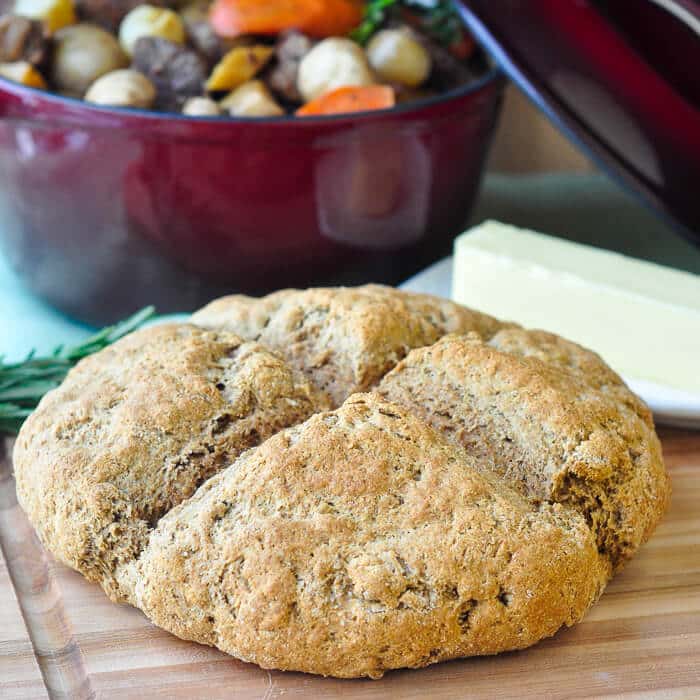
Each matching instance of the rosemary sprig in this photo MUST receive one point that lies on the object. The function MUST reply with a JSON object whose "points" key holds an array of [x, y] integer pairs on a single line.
{"points": [[438, 18], [22, 384]]}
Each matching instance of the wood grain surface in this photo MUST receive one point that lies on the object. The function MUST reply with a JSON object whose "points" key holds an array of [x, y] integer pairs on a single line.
{"points": [[641, 640], [20, 676]]}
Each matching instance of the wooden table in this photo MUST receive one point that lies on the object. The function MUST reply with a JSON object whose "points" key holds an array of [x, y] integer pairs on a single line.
{"points": [[60, 636]]}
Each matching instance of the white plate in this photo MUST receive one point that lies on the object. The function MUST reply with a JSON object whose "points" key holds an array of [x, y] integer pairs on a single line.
{"points": [[670, 406]]}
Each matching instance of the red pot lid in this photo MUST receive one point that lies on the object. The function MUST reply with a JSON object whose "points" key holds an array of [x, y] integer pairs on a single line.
{"points": [[620, 77]]}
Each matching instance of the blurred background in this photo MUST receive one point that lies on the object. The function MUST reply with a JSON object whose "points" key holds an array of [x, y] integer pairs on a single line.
{"points": [[537, 179]]}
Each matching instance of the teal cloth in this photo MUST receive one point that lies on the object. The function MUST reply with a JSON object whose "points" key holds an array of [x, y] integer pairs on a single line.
{"points": [[586, 208], [28, 323]]}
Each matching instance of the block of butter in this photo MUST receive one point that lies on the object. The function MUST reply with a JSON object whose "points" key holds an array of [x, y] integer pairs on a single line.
{"points": [[642, 318]]}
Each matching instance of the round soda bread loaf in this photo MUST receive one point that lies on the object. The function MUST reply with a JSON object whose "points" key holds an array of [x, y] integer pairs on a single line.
{"points": [[345, 481]]}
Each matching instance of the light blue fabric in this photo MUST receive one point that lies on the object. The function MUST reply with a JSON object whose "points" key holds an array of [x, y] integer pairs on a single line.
{"points": [[588, 208], [26, 322]]}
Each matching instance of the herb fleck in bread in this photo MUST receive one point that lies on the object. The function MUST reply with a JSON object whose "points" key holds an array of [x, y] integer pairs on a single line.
{"points": [[476, 500]]}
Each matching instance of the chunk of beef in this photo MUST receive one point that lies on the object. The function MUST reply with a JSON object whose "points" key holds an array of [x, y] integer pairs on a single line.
{"points": [[448, 71], [22, 39], [291, 47], [109, 13], [203, 38], [176, 71]]}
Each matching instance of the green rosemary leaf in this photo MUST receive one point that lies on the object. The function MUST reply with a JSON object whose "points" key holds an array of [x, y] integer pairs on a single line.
{"points": [[12, 417], [30, 392], [374, 18], [23, 384], [438, 18], [108, 335]]}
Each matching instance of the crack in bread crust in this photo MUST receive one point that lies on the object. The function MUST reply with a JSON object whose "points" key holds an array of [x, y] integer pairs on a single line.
{"points": [[345, 340], [551, 418], [295, 561], [477, 501], [137, 428]]}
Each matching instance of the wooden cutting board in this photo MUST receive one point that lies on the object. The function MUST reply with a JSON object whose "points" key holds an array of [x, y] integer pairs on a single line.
{"points": [[59, 635]]}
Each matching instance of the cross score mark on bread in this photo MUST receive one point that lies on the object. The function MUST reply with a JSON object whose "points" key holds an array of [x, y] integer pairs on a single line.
{"points": [[473, 490]]}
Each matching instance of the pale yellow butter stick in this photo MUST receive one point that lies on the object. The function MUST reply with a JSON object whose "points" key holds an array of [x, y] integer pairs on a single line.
{"points": [[642, 318]]}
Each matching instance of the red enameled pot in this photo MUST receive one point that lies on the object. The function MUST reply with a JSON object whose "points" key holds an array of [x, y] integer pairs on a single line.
{"points": [[105, 210]]}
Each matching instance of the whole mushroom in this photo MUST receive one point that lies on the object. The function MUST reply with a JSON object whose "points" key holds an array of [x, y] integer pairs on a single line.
{"points": [[122, 88], [201, 107], [148, 20], [331, 64], [398, 57], [82, 53]]}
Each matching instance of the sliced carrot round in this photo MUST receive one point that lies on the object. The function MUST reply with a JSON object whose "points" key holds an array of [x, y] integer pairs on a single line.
{"points": [[318, 18], [350, 99]]}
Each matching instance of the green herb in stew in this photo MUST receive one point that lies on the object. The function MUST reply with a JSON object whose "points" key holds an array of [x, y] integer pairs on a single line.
{"points": [[438, 18]]}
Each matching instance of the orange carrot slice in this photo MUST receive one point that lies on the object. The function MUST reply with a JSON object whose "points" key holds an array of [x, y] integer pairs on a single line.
{"points": [[318, 18], [350, 99]]}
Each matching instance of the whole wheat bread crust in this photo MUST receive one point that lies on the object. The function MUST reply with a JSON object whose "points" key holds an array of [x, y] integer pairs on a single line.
{"points": [[345, 481]]}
